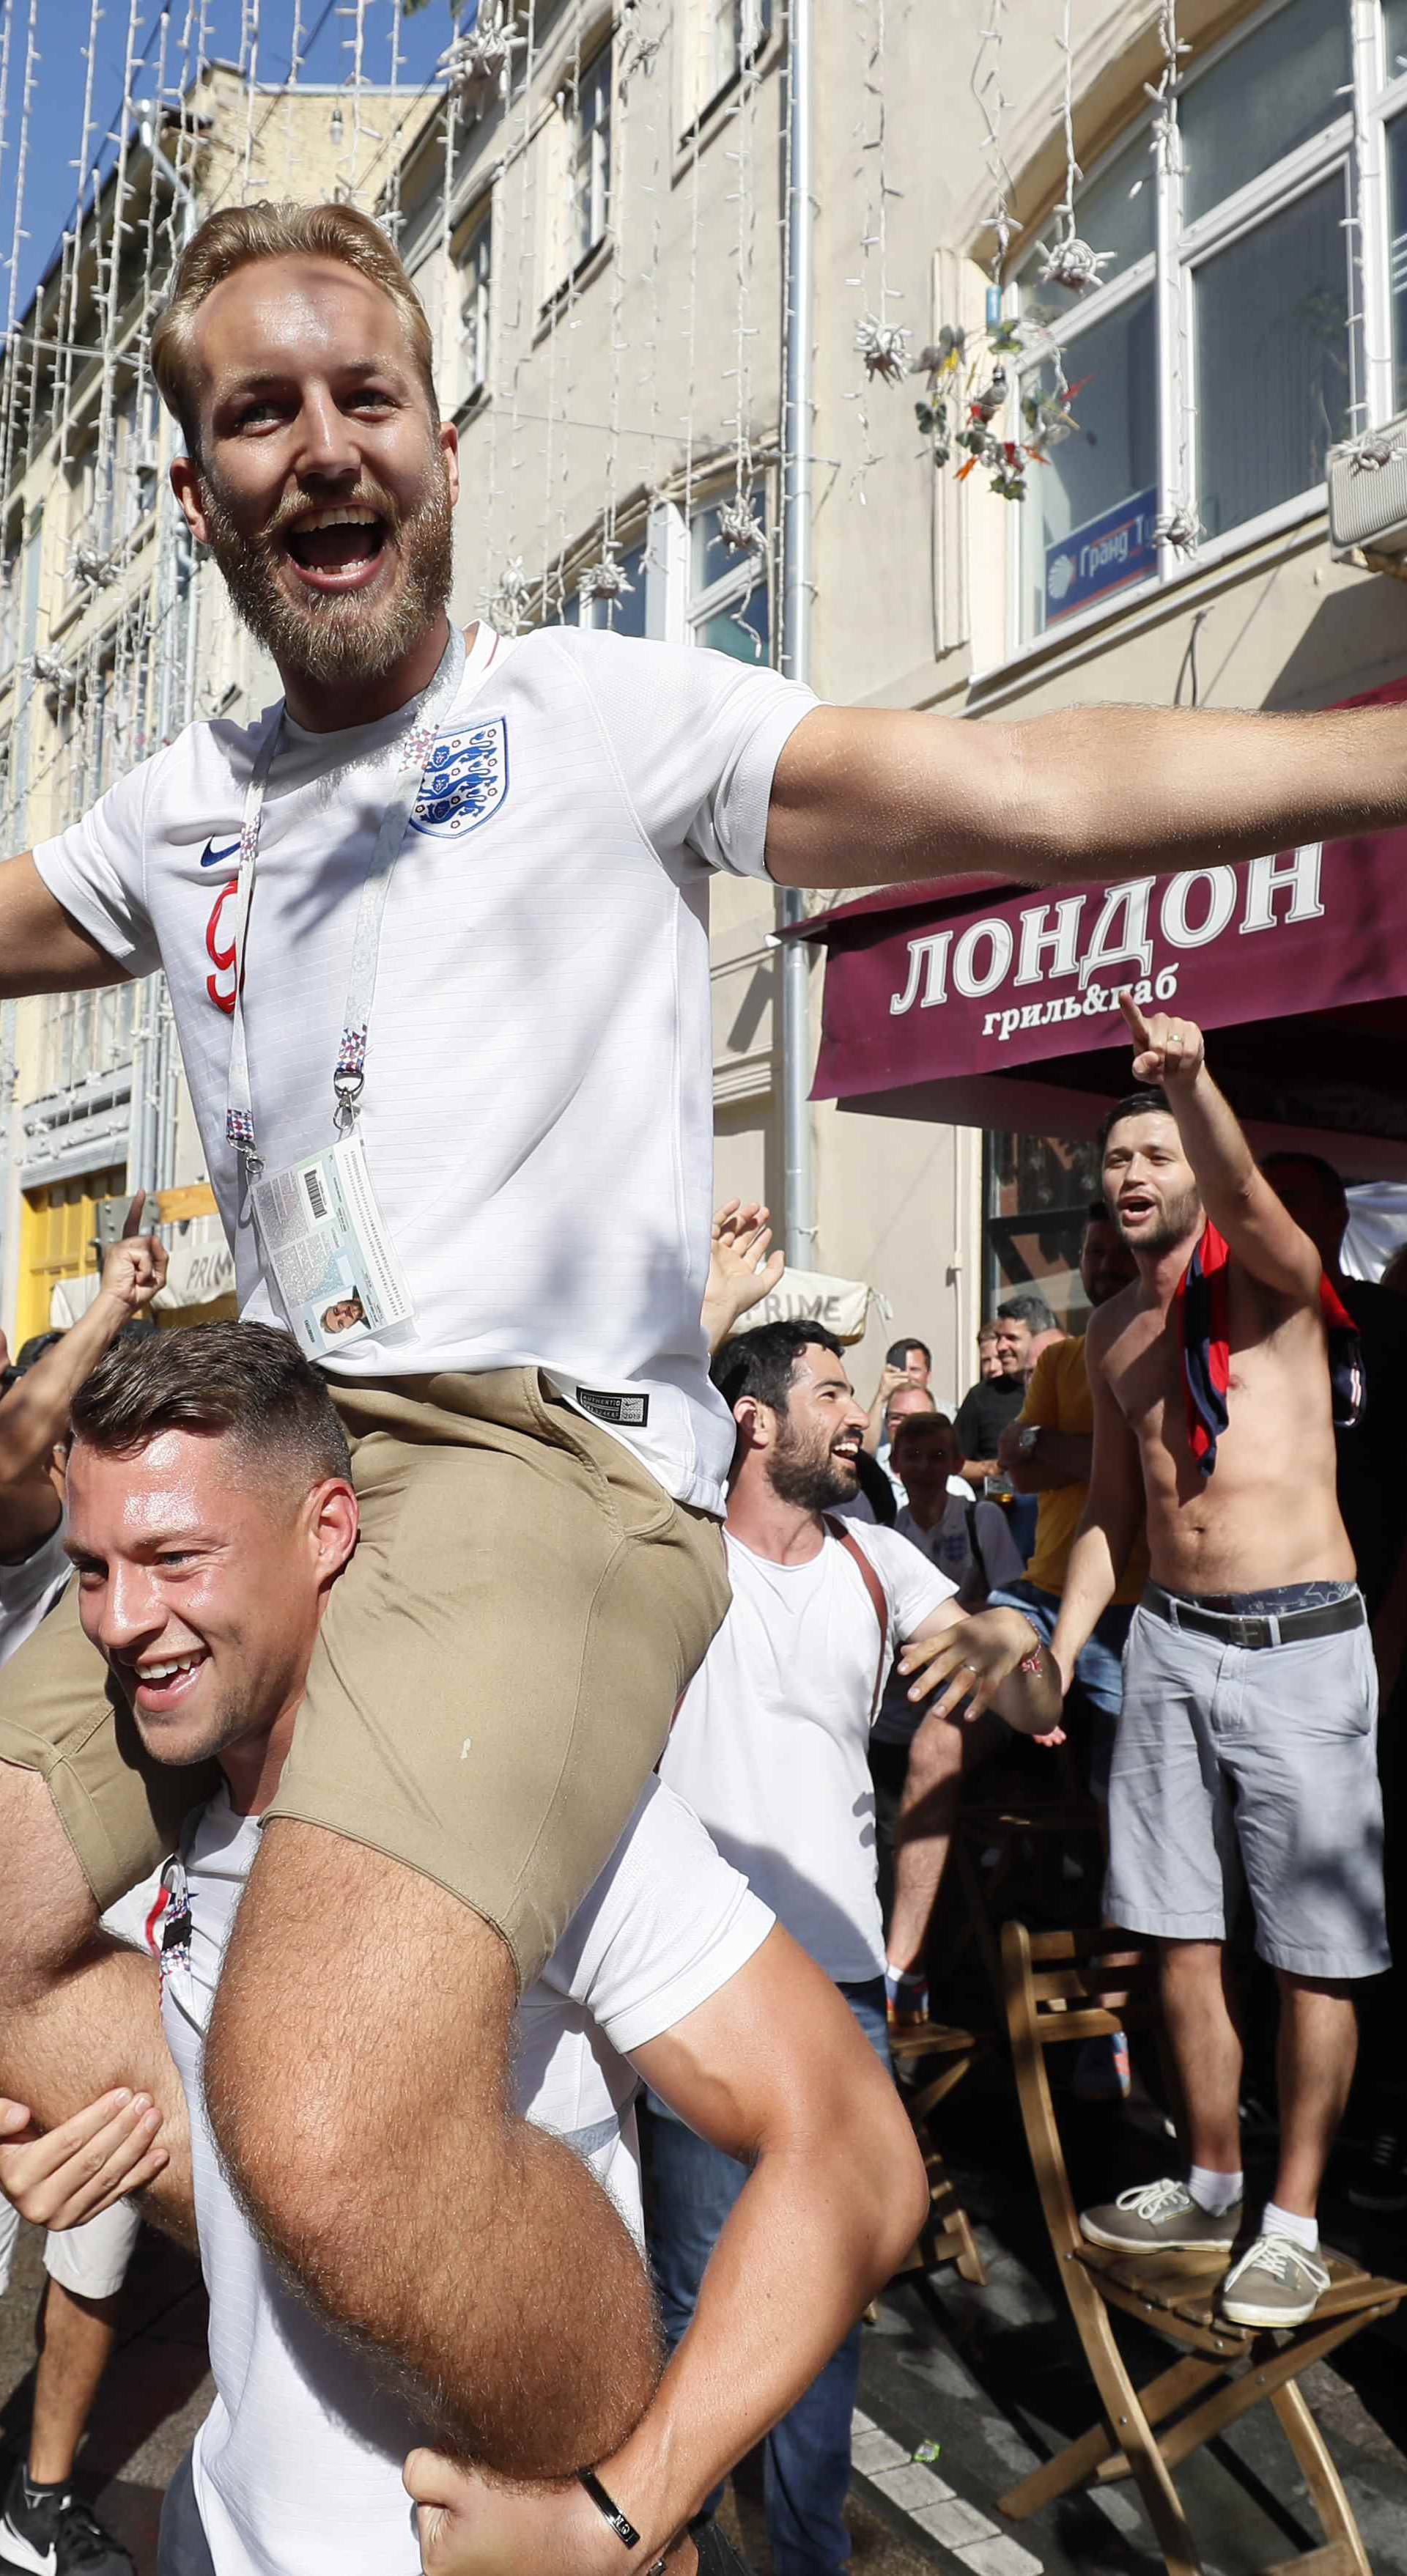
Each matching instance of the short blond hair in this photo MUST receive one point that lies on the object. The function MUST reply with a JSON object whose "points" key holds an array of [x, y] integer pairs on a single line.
{"points": [[238, 235]]}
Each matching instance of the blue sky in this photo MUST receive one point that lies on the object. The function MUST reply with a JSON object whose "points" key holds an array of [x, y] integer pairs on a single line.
{"points": [[57, 105]]}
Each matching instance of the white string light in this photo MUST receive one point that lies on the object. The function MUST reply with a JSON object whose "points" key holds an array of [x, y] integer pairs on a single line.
{"points": [[1178, 527], [1069, 261]]}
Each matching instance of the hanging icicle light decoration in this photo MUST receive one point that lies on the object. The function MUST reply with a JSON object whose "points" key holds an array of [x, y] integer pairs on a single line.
{"points": [[1070, 262], [510, 601], [962, 413], [1179, 526], [740, 530], [1372, 450], [480, 61], [604, 580]]}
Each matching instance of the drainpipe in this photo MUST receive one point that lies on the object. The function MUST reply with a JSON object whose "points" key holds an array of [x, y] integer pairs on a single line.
{"points": [[797, 407]]}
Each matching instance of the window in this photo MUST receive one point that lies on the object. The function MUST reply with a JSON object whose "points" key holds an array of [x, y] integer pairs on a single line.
{"points": [[728, 35], [1218, 369], [475, 264], [589, 173], [729, 603]]}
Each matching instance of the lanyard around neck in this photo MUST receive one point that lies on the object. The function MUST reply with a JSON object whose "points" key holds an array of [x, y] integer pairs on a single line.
{"points": [[349, 1072]]}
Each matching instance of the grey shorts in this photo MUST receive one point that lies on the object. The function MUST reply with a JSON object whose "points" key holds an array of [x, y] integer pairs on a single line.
{"points": [[1260, 1764]]}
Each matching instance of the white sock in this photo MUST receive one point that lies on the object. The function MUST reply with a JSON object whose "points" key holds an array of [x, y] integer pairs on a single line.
{"points": [[1215, 2192], [1287, 2222]]}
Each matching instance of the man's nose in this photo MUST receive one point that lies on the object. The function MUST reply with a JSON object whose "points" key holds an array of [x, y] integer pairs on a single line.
{"points": [[328, 444], [132, 1610]]}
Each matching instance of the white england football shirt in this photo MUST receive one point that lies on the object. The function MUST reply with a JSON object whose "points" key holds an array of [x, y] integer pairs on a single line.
{"points": [[538, 1112], [771, 1743], [297, 2467]]}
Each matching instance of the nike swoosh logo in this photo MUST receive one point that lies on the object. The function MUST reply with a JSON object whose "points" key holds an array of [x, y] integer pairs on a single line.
{"points": [[210, 857]]}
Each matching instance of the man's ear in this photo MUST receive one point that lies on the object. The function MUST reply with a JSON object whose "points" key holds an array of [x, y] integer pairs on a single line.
{"points": [[449, 449], [185, 483], [334, 1522], [755, 1422]]}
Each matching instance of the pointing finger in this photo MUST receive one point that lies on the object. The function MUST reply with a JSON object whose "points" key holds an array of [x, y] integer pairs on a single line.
{"points": [[1134, 1020], [133, 1222]]}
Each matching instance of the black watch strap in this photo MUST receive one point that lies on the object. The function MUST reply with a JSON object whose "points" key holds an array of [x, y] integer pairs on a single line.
{"points": [[624, 2529]]}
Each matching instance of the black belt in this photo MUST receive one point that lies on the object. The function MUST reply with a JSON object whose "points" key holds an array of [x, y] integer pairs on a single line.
{"points": [[1280, 1628]]}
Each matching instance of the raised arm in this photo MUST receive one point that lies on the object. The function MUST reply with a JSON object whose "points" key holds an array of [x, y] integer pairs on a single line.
{"points": [[871, 796], [34, 1414], [774, 2070], [742, 1268], [1235, 1193], [42, 949], [1111, 1519]]}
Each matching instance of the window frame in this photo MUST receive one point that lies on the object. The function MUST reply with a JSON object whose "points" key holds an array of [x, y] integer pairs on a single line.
{"points": [[705, 87], [473, 234], [597, 72], [1354, 141]]}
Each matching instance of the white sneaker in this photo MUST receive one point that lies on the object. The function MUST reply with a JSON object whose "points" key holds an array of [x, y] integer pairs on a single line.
{"points": [[1275, 2284]]}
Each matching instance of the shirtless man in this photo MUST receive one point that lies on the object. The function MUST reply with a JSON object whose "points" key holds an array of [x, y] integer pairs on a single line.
{"points": [[1246, 1741]]}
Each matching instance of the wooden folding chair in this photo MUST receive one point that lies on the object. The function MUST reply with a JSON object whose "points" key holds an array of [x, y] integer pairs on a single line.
{"points": [[1054, 1985], [946, 2235]]}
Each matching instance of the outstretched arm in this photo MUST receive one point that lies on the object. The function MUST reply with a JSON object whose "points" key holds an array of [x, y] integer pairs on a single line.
{"points": [[42, 949], [774, 2070], [873, 796], [1110, 1523], [1235, 1193]]}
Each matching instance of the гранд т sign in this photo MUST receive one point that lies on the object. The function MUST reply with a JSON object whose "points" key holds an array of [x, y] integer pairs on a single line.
{"points": [[1105, 555]]}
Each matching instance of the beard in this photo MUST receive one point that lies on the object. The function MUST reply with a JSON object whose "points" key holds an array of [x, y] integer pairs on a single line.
{"points": [[1181, 1218], [330, 638], [814, 1482]]}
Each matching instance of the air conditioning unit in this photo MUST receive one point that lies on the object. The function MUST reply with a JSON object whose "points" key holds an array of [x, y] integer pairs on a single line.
{"points": [[1367, 479]]}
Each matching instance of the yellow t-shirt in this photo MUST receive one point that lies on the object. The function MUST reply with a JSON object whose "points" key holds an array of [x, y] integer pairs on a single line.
{"points": [[1058, 1398]]}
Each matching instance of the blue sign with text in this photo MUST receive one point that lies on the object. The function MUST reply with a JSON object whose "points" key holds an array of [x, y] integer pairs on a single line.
{"points": [[1106, 554]]}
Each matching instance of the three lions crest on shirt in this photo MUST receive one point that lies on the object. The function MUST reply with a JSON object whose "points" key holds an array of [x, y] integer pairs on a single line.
{"points": [[466, 780]]}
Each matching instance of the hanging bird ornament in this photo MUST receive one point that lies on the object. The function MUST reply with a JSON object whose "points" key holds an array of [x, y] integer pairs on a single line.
{"points": [[739, 528], [1179, 528], [605, 580], [884, 346]]}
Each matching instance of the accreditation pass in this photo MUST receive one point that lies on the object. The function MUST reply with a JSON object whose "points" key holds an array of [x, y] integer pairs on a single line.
{"points": [[324, 1239]]}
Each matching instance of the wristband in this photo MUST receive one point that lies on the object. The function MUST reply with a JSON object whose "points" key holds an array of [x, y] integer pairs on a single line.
{"points": [[624, 2530], [1031, 1663]]}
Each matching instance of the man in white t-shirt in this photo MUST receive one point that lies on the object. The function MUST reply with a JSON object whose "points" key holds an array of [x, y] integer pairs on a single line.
{"points": [[770, 1747], [200, 1505], [435, 937], [42, 2518]]}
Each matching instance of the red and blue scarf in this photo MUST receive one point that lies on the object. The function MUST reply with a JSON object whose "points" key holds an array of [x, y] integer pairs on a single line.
{"points": [[1204, 1313]]}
